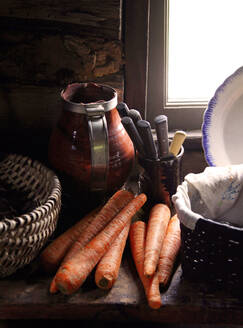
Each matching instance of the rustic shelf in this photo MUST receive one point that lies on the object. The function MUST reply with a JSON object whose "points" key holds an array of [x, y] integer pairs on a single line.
{"points": [[25, 295], [185, 303]]}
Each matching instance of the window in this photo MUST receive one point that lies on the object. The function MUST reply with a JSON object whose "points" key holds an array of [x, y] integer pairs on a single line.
{"points": [[203, 47], [171, 43]]}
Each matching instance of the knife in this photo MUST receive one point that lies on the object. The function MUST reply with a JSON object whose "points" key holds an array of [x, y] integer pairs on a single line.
{"points": [[135, 115], [177, 142], [161, 127], [145, 132], [123, 109], [133, 134]]}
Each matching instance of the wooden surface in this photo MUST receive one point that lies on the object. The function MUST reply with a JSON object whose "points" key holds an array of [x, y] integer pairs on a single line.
{"points": [[136, 54], [53, 43], [92, 17], [183, 302], [25, 295]]}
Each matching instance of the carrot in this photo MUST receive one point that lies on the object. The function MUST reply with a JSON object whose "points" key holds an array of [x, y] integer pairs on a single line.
{"points": [[74, 271], [53, 287], [137, 236], [107, 270], [157, 224], [105, 215], [117, 202], [169, 251], [52, 255]]}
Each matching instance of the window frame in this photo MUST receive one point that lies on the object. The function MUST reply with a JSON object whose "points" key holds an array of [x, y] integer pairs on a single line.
{"points": [[145, 85]]}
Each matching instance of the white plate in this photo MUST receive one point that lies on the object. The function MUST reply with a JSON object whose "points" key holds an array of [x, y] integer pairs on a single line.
{"points": [[222, 128]]}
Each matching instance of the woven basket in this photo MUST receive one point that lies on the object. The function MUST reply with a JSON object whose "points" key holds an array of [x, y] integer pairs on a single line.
{"points": [[212, 248], [22, 237], [212, 253]]}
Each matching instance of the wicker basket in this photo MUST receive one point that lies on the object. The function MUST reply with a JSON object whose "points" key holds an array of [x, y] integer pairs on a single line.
{"points": [[22, 237], [212, 253], [211, 248]]}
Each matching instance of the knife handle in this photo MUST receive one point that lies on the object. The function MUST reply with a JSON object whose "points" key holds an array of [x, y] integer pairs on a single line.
{"points": [[135, 115], [145, 132], [123, 109], [161, 127], [177, 142], [133, 134]]}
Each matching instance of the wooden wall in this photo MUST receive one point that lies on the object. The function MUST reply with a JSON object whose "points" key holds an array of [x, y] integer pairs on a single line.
{"points": [[46, 44]]}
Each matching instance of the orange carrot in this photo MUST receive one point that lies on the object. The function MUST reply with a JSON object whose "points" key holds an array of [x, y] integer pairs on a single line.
{"points": [[157, 224], [117, 202], [107, 270], [74, 271], [53, 287], [169, 251], [153, 292], [137, 237], [105, 215], [52, 255]]}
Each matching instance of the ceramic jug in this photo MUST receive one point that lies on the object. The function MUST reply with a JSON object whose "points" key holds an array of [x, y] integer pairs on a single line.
{"points": [[89, 145]]}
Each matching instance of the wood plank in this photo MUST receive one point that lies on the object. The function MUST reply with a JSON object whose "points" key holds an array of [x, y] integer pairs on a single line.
{"points": [[156, 76], [25, 295], [136, 52], [93, 17], [183, 303], [31, 58]]}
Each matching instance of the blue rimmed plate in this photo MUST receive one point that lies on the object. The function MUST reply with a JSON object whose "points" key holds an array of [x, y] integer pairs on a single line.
{"points": [[222, 128]]}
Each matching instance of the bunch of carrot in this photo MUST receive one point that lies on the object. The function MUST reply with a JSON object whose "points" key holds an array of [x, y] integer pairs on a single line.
{"points": [[154, 246], [97, 240]]}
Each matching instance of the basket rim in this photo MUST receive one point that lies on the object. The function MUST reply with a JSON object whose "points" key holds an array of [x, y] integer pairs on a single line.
{"points": [[8, 224], [190, 218], [27, 241], [216, 223]]}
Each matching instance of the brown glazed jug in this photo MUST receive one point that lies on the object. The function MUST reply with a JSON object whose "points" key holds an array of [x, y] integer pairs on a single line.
{"points": [[89, 145]]}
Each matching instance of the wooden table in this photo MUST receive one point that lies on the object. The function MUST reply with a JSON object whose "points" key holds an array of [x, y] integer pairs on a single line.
{"points": [[26, 296]]}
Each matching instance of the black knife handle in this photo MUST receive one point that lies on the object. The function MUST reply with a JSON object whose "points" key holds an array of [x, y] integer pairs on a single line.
{"points": [[123, 109], [133, 134], [144, 129], [161, 127], [135, 115]]}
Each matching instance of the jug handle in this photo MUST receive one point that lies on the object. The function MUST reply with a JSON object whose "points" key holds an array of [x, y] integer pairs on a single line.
{"points": [[99, 144]]}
